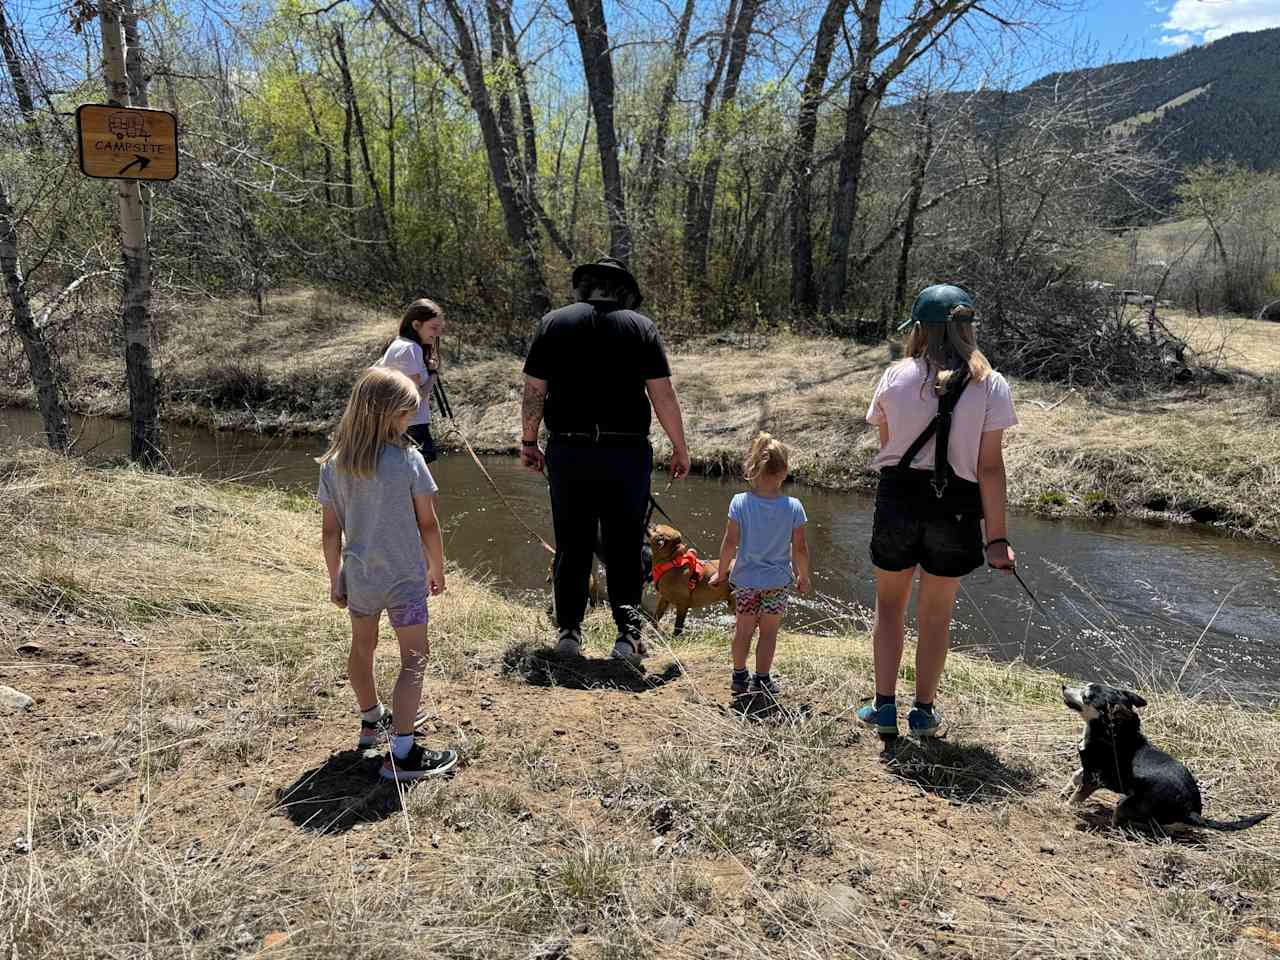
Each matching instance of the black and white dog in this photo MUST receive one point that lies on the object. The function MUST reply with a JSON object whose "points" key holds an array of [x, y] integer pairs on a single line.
{"points": [[1114, 755]]}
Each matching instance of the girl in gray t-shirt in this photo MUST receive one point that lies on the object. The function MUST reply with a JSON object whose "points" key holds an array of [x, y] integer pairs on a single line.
{"points": [[383, 548]]}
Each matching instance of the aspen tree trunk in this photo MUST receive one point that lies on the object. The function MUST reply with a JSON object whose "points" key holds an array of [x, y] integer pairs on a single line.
{"points": [[597, 64], [804, 293], [144, 406], [43, 375], [21, 88]]}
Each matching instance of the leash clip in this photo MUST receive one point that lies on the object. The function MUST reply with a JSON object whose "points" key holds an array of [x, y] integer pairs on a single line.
{"points": [[938, 490], [596, 438]]}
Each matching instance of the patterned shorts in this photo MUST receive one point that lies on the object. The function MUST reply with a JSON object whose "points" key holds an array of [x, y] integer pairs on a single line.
{"points": [[753, 603], [410, 615]]}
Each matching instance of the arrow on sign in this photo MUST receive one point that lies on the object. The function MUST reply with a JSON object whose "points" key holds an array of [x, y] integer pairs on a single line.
{"points": [[140, 161]]}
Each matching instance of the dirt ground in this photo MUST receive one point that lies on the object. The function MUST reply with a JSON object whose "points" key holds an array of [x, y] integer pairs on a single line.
{"points": [[185, 783], [959, 849]]}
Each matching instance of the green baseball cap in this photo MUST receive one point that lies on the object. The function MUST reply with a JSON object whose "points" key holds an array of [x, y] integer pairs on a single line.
{"points": [[941, 303]]}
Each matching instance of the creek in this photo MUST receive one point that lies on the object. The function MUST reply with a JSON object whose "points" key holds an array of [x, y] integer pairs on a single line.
{"points": [[1158, 604]]}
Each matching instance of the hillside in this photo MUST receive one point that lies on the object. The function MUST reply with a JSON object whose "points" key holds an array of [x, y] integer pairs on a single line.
{"points": [[1218, 101]]}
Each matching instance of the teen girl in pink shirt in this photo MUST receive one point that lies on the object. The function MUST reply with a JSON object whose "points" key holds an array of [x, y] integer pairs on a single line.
{"points": [[930, 512]]}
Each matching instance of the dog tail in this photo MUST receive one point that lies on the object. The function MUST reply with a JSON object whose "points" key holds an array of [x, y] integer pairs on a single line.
{"points": [[1242, 824]]}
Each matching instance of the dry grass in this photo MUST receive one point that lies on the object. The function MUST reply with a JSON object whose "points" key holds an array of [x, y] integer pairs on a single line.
{"points": [[1202, 453], [191, 670], [1234, 343]]}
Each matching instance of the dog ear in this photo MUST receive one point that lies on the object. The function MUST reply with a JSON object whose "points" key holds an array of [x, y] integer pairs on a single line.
{"points": [[1120, 712], [1133, 699]]}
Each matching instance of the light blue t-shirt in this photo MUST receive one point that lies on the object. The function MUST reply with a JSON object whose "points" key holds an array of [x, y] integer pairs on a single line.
{"points": [[764, 544]]}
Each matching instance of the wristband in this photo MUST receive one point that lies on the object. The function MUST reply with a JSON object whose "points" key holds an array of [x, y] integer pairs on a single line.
{"points": [[528, 443], [992, 543]]}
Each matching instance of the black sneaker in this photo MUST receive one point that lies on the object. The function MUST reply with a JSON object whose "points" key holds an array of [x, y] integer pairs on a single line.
{"points": [[765, 684], [629, 647], [570, 643], [419, 762], [373, 733], [739, 683]]}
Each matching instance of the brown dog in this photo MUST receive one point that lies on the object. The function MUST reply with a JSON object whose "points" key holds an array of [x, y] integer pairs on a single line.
{"points": [[673, 584]]}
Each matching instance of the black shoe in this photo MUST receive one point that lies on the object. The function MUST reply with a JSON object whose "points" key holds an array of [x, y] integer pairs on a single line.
{"points": [[570, 644], [371, 734], [765, 684], [629, 647], [419, 762]]}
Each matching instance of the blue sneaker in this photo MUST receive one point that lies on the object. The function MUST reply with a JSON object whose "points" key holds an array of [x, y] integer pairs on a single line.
{"points": [[925, 723], [885, 720]]}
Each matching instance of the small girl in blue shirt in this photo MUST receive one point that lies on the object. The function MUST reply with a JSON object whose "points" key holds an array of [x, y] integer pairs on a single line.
{"points": [[766, 532]]}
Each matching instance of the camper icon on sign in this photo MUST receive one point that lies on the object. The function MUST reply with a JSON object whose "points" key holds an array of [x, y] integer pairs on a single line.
{"points": [[127, 125]]}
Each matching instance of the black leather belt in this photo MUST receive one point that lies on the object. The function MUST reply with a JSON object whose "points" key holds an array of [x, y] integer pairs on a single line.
{"points": [[597, 436]]}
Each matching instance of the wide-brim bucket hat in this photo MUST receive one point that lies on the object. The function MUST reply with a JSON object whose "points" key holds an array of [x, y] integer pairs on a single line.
{"points": [[614, 269], [941, 303]]}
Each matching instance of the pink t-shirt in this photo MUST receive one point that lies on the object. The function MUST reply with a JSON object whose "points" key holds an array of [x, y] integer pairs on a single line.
{"points": [[906, 404]]}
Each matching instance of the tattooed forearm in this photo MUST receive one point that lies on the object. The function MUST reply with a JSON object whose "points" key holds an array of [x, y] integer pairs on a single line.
{"points": [[532, 405]]}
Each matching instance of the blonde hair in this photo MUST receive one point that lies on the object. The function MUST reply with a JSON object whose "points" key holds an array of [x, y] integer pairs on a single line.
{"points": [[380, 397], [947, 348], [767, 455]]}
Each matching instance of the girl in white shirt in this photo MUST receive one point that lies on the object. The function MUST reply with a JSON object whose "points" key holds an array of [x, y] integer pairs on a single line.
{"points": [[413, 354], [929, 513]]}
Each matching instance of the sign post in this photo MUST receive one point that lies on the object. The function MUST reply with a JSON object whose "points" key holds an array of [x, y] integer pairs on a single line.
{"points": [[127, 143]]}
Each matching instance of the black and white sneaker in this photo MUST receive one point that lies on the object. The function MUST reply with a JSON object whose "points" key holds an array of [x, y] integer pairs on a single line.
{"points": [[570, 644], [375, 732], [419, 762], [629, 647]]}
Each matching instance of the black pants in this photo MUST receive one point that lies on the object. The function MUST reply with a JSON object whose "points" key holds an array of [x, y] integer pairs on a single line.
{"points": [[604, 487], [420, 433]]}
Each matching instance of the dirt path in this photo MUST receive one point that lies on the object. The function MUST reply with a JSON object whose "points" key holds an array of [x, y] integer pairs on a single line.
{"points": [[960, 849]]}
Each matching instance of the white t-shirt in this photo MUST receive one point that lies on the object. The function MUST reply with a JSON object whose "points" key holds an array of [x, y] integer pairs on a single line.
{"points": [[904, 402], [406, 356]]}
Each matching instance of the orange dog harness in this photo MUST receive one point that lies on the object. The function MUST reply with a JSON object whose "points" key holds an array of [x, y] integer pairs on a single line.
{"points": [[689, 560]]}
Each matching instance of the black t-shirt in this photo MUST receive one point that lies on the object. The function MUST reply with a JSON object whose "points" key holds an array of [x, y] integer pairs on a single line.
{"points": [[596, 358]]}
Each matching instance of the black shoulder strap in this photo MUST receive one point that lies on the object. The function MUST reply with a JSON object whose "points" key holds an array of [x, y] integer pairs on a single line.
{"points": [[941, 424]]}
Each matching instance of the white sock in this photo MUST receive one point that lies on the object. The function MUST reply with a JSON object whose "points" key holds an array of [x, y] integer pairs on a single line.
{"points": [[374, 713], [400, 744]]}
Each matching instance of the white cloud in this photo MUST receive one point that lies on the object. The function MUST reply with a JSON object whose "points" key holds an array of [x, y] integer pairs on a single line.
{"points": [[1178, 40], [1205, 20]]}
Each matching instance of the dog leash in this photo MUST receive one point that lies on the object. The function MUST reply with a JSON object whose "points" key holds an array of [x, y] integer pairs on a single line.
{"points": [[1054, 621], [442, 401], [1034, 598], [654, 505]]}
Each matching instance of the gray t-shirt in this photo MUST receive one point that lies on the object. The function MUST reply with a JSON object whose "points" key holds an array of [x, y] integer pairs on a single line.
{"points": [[383, 563]]}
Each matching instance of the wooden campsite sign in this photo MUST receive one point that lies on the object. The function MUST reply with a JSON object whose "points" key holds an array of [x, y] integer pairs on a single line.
{"points": [[127, 143]]}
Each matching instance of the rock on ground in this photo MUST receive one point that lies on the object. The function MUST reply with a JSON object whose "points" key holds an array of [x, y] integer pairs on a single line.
{"points": [[14, 701]]}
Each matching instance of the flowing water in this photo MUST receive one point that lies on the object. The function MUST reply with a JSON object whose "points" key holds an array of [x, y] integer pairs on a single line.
{"points": [[1160, 604]]}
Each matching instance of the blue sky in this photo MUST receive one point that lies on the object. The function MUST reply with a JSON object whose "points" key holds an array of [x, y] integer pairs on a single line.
{"points": [[1132, 29]]}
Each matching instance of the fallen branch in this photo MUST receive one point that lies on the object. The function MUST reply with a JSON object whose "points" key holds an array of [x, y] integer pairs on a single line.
{"points": [[47, 313]]}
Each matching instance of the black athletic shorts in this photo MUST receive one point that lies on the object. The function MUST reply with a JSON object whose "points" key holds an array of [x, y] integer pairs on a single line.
{"points": [[420, 433], [908, 531]]}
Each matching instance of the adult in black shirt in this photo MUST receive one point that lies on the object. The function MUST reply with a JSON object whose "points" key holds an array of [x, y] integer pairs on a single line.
{"points": [[593, 370]]}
